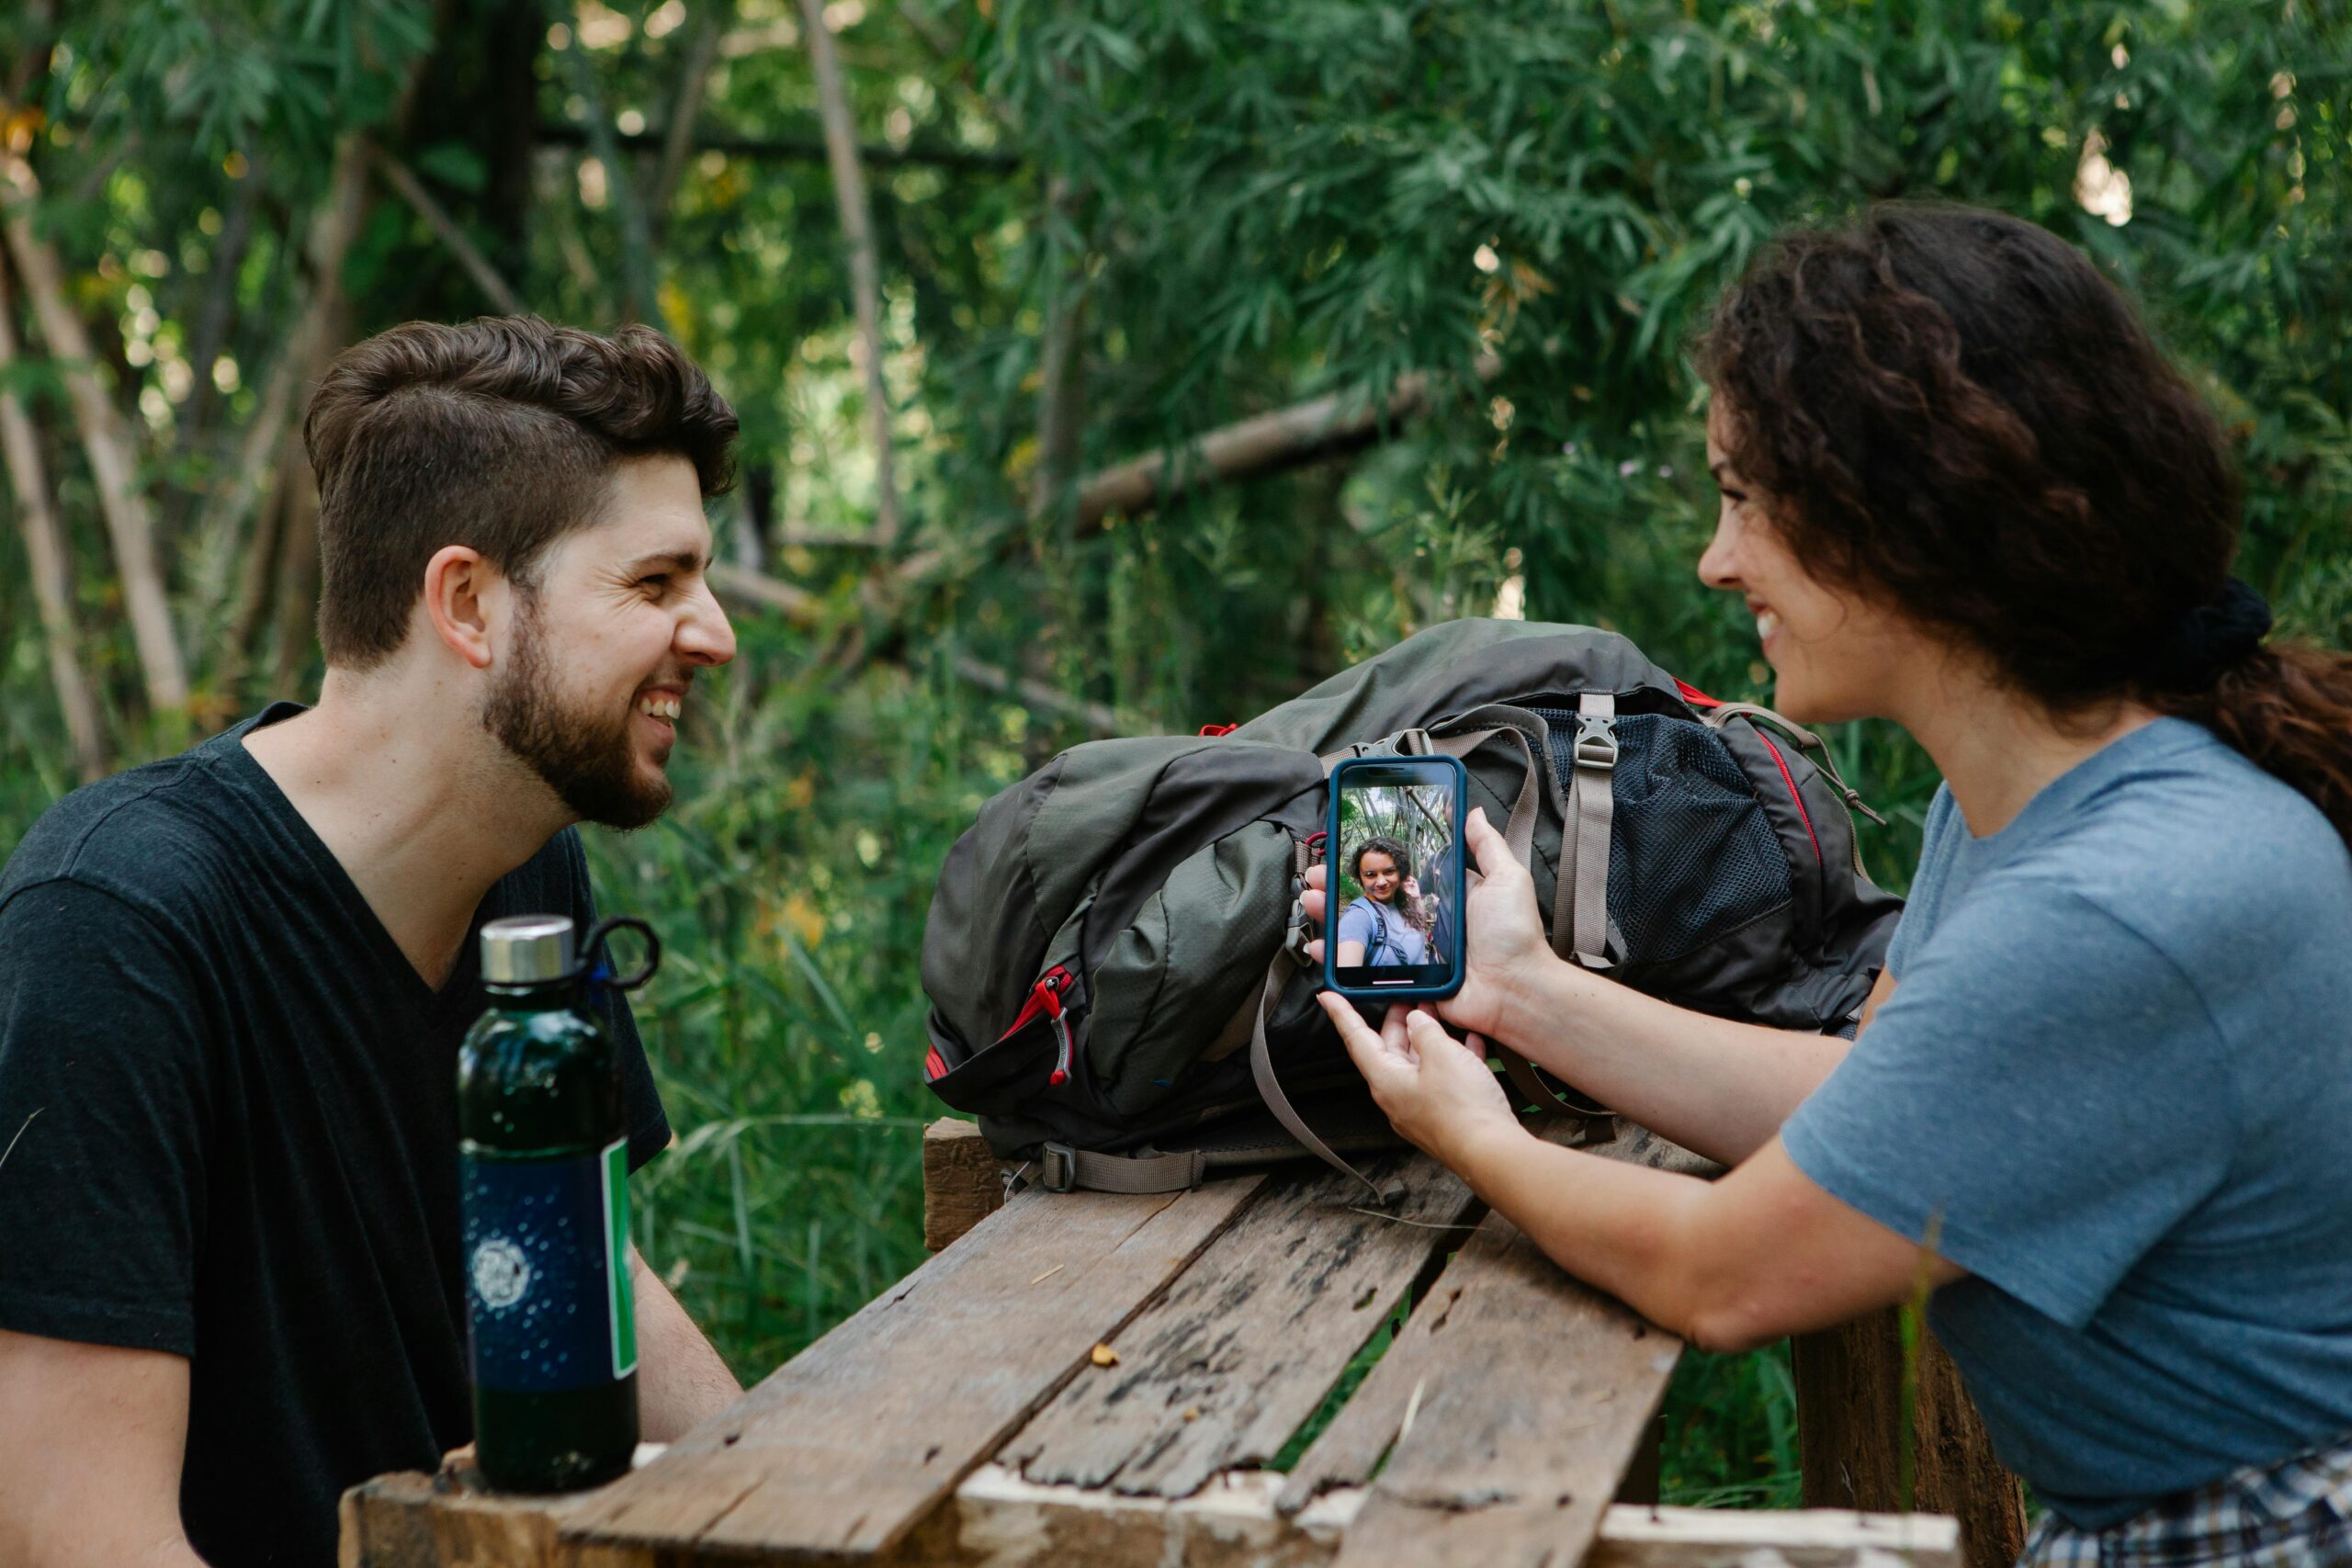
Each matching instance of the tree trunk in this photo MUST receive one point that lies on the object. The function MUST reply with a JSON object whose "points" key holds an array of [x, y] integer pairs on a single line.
{"points": [[297, 580], [316, 335], [506, 115], [257, 576], [194, 428], [637, 242], [52, 558], [864, 273], [107, 439], [686, 108], [1850, 1404], [1061, 377]]}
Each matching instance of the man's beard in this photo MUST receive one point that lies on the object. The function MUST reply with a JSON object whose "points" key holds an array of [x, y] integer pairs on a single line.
{"points": [[587, 761]]}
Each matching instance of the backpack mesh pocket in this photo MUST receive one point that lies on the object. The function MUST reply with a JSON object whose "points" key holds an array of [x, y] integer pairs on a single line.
{"points": [[1691, 856]]}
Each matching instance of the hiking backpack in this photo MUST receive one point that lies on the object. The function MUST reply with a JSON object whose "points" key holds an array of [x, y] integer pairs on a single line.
{"points": [[1114, 953]]}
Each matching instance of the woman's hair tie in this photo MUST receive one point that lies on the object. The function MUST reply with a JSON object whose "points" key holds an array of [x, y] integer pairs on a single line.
{"points": [[2210, 639]]}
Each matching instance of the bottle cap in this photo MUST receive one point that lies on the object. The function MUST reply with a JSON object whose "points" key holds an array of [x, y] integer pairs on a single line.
{"points": [[525, 950]]}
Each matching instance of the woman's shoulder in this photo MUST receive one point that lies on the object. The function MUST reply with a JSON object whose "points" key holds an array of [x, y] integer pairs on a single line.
{"points": [[2181, 839]]}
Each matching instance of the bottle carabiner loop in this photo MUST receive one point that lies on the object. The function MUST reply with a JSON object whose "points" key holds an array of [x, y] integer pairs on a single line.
{"points": [[596, 959]]}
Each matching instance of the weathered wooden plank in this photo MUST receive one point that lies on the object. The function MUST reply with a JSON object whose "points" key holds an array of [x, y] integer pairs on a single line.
{"points": [[1508, 1409], [1006, 1522], [1850, 1391], [842, 1450], [1351, 1447], [1221, 1371], [962, 1182], [451, 1520], [1001, 1521]]}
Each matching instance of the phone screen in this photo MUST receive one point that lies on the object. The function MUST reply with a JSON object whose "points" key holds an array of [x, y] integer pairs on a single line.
{"points": [[1396, 877]]}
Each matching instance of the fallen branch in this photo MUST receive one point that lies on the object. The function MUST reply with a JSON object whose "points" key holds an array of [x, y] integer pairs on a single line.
{"points": [[1034, 693], [865, 270], [1267, 442], [445, 228], [757, 591], [764, 592], [797, 149]]}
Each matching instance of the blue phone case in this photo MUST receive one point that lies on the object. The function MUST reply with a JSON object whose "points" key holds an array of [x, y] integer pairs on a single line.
{"points": [[1445, 770]]}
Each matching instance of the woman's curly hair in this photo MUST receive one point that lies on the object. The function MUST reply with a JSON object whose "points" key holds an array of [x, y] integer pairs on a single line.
{"points": [[1416, 911], [1952, 410]]}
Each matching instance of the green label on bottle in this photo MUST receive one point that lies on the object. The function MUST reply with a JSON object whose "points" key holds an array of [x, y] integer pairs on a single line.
{"points": [[624, 1292]]}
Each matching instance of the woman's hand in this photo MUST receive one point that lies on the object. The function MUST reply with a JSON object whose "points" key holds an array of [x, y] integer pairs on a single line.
{"points": [[1503, 931], [1436, 1091]]}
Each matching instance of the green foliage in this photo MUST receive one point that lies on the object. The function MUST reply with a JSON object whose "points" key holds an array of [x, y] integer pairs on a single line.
{"points": [[1239, 206]]}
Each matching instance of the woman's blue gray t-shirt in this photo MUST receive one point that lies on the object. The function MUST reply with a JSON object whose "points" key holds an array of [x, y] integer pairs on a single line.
{"points": [[2114, 1083], [1404, 945]]}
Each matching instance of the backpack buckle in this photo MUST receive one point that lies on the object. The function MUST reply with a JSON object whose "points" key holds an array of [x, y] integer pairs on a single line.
{"points": [[1595, 744], [1057, 1168]]}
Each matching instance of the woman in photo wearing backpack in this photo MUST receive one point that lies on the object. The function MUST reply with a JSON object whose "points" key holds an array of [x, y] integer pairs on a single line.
{"points": [[2102, 1093], [1384, 925]]}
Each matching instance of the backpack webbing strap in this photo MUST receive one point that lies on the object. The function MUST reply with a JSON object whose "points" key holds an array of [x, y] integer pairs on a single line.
{"points": [[1062, 1169], [1519, 832], [1812, 744], [1580, 890], [1544, 1096], [1269, 1089]]}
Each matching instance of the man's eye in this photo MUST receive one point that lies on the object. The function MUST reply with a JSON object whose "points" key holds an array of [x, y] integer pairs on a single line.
{"points": [[1736, 496], [658, 583]]}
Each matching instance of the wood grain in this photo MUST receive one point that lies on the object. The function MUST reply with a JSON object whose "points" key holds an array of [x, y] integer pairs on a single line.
{"points": [[1850, 1391], [1222, 1369], [962, 1182], [843, 1450], [1529, 1395], [1006, 1522], [414, 1520]]}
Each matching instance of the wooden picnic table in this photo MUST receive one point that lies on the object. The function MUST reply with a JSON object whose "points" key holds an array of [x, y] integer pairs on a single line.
{"points": [[1100, 1379]]}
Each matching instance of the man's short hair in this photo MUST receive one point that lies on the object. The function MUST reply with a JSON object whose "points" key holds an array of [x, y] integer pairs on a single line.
{"points": [[499, 434]]}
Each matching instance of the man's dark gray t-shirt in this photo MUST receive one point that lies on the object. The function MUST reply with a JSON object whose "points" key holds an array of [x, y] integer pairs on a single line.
{"points": [[2114, 1083], [232, 1105]]}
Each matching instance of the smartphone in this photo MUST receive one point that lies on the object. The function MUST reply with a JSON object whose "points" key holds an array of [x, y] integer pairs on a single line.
{"points": [[1394, 878]]}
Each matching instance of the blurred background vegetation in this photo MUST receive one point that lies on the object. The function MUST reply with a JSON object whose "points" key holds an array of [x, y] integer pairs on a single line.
{"points": [[1104, 364]]}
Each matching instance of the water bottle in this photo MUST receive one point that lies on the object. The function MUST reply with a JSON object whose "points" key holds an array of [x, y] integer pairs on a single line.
{"points": [[543, 1151]]}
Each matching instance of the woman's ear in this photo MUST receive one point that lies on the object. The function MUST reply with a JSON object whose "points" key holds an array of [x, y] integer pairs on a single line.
{"points": [[456, 580]]}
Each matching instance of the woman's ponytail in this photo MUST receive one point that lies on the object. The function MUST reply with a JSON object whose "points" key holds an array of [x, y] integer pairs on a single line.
{"points": [[2289, 707]]}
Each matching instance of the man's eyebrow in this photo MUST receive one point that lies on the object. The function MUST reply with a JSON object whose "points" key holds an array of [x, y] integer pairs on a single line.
{"points": [[677, 561], [1716, 470]]}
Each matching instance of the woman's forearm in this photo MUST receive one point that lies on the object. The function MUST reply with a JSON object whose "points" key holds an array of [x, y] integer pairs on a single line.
{"points": [[1717, 1087]]}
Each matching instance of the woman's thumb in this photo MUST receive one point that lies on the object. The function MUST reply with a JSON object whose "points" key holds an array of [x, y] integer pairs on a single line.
{"points": [[1491, 848]]}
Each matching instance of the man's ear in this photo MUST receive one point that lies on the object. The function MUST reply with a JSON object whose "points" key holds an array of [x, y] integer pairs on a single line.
{"points": [[459, 581]]}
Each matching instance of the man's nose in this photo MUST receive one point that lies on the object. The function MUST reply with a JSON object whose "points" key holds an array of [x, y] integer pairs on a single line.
{"points": [[705, 636]]}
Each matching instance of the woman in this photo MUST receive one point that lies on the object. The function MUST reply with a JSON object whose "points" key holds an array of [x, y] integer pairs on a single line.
{"points": [[2102, 1094], [1384, 926]]}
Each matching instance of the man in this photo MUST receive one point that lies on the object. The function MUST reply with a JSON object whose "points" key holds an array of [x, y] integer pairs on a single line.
{"points": [[232, 982]]}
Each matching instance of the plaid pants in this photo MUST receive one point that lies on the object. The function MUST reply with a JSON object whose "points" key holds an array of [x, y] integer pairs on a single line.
{"points": [[2295, 1514]]}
